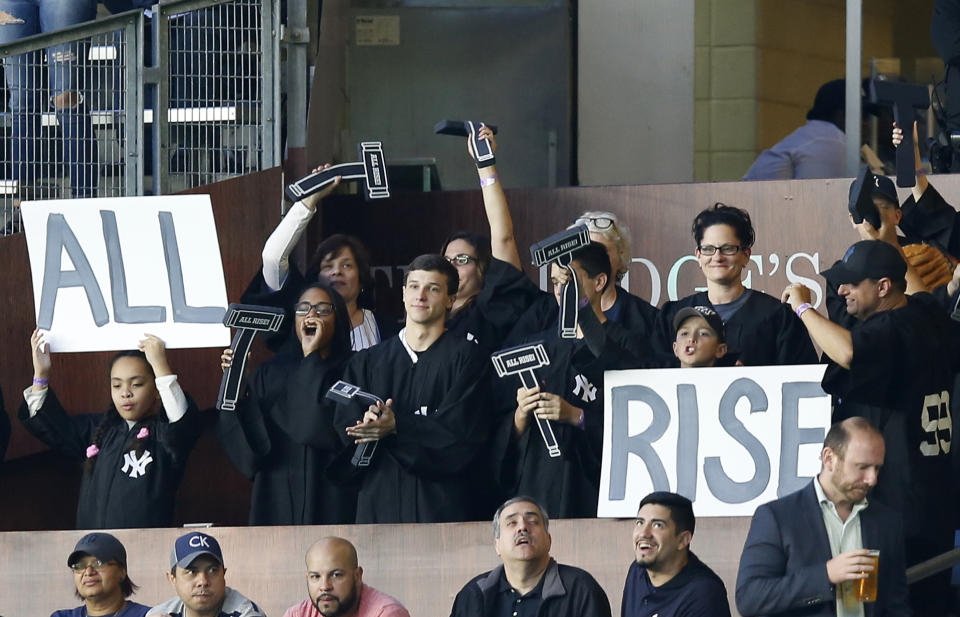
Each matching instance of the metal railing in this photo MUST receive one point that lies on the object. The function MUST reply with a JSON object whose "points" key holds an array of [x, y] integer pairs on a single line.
{"points": [[156, 101], [217, 75], [65, 120]]}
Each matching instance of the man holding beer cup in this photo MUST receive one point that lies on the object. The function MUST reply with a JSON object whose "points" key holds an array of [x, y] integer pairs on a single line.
{"points": [[826, 550]]}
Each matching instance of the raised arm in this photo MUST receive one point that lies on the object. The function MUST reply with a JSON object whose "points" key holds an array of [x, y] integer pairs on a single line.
{"points": [[276, 250], [503, 244], [922, 183]]}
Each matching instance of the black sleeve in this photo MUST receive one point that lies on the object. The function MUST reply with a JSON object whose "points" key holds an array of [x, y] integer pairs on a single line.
{"points": [[51, 425], [541, 315], [793, 341], [242, 432], [506, 294], [932, 220], [587, 597], [178, 438]]}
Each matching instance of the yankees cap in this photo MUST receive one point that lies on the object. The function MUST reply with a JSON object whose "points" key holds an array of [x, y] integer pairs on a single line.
{"points": [[193, 545]]}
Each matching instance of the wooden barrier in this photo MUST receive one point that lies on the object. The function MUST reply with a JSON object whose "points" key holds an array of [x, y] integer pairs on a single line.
{"points": [[422, 565]]}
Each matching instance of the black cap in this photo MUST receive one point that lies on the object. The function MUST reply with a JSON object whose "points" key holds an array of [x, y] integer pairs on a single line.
{"points": [[871, 184], [103, 546], [867, 259], [708, 314]]}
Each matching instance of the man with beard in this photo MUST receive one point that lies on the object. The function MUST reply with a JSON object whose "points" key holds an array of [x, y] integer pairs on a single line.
{"points": [[804, 551], [667, 578], [529, 583], [335, 586], [99, 564]]}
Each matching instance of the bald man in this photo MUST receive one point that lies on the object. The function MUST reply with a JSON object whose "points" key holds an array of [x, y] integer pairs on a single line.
{"points": [[335, 586]]}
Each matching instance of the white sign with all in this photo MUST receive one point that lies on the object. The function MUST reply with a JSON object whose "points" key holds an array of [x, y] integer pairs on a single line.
{"points": [[106, 271]]}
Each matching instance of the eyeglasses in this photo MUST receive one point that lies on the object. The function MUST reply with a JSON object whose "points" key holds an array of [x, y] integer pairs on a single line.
{"points": [[726, 249], [323, 309], [96, 564], [599, 222], [461, 260]]}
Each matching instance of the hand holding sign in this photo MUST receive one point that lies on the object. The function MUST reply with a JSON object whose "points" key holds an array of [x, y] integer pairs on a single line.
{"points": [[248, 320], [41, 356], [560, 247], [311, 200], [523, 360], [378, 422], [156, 352], [343, 392], [480, 149]]}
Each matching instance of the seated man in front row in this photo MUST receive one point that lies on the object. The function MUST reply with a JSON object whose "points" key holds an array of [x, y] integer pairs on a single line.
{"points": [[667, 578], [197, 575], [805, 551], [434, 419], [530, 582], [336, 588]]}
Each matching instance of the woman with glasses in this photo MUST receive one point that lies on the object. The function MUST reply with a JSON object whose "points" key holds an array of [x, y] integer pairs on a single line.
{"points": [[341, 260], [281, 434], [494, 291], [634, 314], [760, 330]]}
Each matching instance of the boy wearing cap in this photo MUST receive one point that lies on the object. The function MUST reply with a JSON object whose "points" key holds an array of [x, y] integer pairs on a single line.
{"points": [[894, 367], [99, 564], [700, 337], [197, 575]]}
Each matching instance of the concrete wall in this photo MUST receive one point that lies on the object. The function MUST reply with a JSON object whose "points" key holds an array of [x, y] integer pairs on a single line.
{"points": [[635, 92]]}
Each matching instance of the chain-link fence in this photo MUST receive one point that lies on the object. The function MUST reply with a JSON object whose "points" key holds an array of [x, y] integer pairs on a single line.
{"points": [[69, 96], [221, 85], [170, 99]]}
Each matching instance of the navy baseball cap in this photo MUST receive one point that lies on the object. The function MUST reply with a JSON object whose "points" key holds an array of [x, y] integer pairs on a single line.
{"points": [[103, 546], [867, 259], [193, 545], [708, 314]]}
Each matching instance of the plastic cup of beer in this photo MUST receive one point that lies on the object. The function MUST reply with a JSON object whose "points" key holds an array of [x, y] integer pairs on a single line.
{"points": [[865, 589]]}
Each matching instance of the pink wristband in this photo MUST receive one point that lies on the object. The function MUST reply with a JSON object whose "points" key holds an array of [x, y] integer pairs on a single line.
{"points": [[803, 308]]}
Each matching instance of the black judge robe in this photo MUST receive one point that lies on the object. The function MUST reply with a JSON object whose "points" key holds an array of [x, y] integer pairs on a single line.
{"points": [[423, 472], [281, 436]]}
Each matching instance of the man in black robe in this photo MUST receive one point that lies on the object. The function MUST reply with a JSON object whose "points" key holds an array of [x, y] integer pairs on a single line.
{"points": [[434, 419]]}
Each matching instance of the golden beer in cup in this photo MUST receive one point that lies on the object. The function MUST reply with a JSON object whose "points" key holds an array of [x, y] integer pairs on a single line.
{"points": [[865, 589]]}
